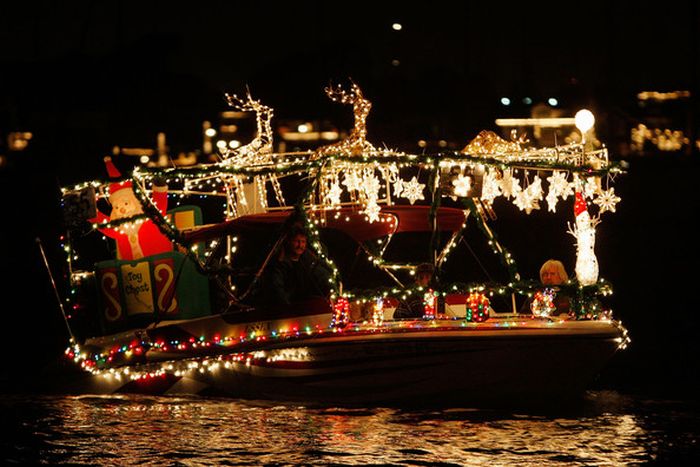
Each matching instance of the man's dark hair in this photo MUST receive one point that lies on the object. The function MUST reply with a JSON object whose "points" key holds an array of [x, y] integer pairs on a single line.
{"points": [[296, 230]]}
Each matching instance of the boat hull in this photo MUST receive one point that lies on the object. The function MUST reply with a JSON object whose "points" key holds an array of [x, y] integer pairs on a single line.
{"points": [[414, 362]]}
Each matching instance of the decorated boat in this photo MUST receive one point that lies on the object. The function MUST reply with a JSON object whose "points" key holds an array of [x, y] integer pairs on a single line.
{"points": [[167, 273]]}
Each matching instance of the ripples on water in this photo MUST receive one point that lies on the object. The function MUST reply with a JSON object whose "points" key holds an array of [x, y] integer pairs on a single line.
{"points": [[606, 429]]}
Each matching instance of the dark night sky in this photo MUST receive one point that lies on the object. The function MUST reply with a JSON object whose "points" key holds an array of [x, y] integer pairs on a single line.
{"points": [[86, 75], [121, 71]]}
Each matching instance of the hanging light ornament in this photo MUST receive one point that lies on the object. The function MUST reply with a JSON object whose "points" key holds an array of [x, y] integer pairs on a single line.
{"points": [[607, 200], [413, 190]]}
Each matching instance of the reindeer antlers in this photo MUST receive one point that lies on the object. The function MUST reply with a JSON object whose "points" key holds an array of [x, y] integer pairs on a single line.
{"points": [[249, 104], [338, 94]]}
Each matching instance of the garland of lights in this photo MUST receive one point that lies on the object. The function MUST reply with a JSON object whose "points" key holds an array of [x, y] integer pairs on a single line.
{"points": [[387, 157], [432, 214], [584, 302], [313, 233]]}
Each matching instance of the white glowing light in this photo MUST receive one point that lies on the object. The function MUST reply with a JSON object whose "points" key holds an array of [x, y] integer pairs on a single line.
{"points": [[462, 185], [584, 120]]}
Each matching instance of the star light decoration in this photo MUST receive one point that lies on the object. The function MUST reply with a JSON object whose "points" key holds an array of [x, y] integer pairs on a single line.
{"points": [[528, 199], [398, 187], [607, 200], [462, 185], [510, 186], [333, 195], [491, 187], [352, 181], [370, 192], [559, 187]]}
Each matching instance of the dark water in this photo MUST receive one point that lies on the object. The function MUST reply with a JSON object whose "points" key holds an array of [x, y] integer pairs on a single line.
{"points": [[606, 428]]}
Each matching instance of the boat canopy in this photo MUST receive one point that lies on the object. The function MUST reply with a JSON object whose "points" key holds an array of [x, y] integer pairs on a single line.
{"points": [[393, 219]]}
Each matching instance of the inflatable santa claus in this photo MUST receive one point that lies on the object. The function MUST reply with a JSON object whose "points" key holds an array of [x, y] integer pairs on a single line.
{"points": [[138, 238]]}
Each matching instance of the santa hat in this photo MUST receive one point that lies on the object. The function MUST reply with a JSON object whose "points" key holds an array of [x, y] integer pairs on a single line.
{"points": [[580, 205], [114, 173]]}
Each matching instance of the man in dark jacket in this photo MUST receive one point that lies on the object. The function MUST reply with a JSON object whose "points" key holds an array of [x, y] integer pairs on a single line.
{"points": [[297, 274]]}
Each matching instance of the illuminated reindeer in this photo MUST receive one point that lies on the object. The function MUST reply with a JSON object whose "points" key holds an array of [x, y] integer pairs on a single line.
{"points": [[356, 143], [363, 186], [259, 150]]}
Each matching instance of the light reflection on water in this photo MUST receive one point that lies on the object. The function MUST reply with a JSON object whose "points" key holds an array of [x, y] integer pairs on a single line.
{"points": [[606, 429]]}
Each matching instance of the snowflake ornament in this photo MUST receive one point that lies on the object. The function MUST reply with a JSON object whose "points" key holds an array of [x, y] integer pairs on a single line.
{"points": [[510, 186], [372, 210], [607, 200], [333, 195], [413, 190], [398, 187], [525, 201], [552, 200], [558, 187], [590, 187], [370, 185], [535, 188], [352, 181], [491, 188]]}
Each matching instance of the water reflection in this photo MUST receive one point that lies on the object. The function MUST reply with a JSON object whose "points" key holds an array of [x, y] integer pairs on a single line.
{"points": [[607, 429]]}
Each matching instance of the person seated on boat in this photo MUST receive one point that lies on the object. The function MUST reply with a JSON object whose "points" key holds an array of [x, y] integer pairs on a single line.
{"points": [[297, 274], [549, 301], [414, 307]]}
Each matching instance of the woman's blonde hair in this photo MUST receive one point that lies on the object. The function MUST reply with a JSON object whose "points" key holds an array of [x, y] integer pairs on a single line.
{"points": [[558, 266]]}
